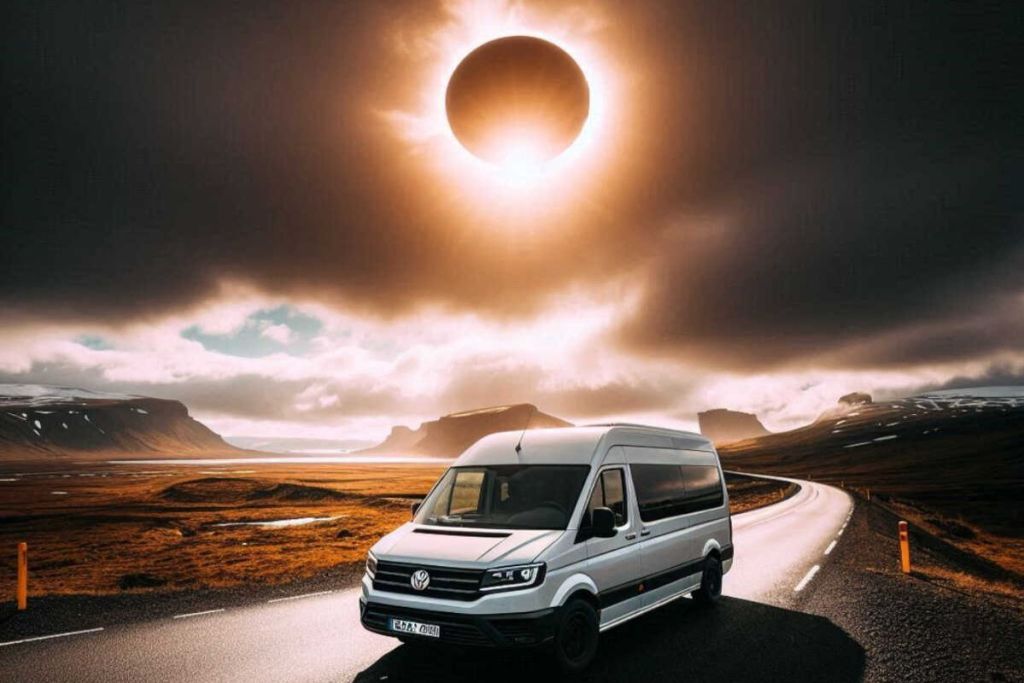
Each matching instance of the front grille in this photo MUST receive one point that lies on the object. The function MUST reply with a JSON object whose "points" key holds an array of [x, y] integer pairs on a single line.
{"points": [[451, 584], [454, 629]]}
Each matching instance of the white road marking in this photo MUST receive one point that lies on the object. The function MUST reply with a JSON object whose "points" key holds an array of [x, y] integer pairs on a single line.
{"points": [[830, 547], [299, 597], [197, 614], [54, 635], [807, 578]]}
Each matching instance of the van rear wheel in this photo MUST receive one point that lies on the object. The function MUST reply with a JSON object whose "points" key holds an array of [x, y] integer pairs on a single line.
{"points": [[710, 582], [576, 636]]}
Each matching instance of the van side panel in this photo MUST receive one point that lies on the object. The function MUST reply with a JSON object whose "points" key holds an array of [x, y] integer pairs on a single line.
{"points": [[672, 553], [613, 563]]}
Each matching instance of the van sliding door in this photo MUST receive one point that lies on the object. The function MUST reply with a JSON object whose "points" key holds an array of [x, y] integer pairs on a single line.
{"points": [[670, 551]]}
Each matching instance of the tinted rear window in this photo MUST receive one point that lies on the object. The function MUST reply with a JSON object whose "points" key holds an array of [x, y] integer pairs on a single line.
{"points": [[703, 487], [669, 490]]}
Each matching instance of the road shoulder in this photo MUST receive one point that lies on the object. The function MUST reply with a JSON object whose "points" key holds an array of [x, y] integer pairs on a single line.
{"points": [[911, 628]]}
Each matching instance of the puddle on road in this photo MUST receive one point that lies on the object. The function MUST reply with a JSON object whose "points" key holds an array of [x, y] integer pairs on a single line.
{"points": [[280, 523]]}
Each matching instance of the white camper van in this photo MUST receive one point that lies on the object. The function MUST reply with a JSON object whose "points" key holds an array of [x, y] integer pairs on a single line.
{"points": [[548, 537]]}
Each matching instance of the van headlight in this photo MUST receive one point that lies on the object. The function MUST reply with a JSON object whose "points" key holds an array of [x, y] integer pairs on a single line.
{"points": [[510, 578], [371, 566]]}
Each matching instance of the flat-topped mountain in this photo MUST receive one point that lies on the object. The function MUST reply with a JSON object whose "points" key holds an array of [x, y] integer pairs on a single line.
{"points": [[451, 434], [40, 421], [725, 426]]}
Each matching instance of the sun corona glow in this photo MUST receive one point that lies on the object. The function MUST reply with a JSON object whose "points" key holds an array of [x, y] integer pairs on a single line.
{"points": [[527, 169], [516, 96]]}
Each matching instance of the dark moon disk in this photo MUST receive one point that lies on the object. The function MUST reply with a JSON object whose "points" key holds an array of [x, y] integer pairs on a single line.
{"points": [[517, 90]]}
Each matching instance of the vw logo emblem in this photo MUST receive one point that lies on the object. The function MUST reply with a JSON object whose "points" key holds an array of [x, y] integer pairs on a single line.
{"points": [[420, 579]]}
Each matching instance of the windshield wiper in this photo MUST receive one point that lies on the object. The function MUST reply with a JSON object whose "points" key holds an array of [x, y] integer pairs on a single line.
{"points": [[449, 520]]}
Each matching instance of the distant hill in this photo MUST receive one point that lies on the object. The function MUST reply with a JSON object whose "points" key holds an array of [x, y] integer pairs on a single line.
{"points": [[452, 434], [297, 445], [725, 426], [39, 421], [957, 453]]}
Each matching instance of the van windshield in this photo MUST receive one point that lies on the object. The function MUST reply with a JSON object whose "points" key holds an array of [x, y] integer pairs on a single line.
{"points": [[505, 496]]}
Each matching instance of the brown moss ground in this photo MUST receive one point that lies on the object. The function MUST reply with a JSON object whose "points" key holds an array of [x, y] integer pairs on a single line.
{"points": [[151, 527], [747, 493]]}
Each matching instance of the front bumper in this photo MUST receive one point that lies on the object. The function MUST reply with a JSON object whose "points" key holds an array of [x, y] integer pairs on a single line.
{"points": [[493, 630]]}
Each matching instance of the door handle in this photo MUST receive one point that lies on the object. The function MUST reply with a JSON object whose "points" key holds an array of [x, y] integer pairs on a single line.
{"points": [[630, 537], [645, 532]]}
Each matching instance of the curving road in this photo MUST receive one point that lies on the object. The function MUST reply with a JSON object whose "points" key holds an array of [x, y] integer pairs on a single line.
{"points": [[779, 550], [779, 545]]}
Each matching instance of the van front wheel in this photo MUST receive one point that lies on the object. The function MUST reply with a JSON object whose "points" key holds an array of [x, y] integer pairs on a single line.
{"points": [[576, 636], [710, 583]]}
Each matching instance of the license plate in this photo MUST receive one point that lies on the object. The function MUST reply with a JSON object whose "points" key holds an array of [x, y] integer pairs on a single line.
{"points": [[415, 628]]}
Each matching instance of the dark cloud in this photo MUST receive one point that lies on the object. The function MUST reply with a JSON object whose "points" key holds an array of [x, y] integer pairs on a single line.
{"points": [[997, 375], [802, 179], [156, 149], [845, 262], [995, 332]]}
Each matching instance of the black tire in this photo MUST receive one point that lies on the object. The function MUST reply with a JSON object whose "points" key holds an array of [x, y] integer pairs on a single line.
{"points": [[710, 583], [576, 636]]}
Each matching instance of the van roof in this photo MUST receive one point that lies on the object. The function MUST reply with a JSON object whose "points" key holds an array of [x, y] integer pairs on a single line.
{"points": [[574, 445]]}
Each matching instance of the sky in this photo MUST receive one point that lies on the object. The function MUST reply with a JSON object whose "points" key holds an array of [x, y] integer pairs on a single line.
{"points": [[259, 209]]}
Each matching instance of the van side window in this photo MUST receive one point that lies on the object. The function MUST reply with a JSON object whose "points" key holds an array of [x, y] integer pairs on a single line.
{"points": [[703, 487], [609, 492], [669, 490], [659, 491]]}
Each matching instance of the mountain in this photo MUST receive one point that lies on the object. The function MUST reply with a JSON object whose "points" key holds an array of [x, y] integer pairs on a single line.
{"points": [[725, 426], [958, 454], [39, 421], [451, 434]]}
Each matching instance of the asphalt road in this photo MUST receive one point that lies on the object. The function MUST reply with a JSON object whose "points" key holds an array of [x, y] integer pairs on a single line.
{"points": [[756, 633]]}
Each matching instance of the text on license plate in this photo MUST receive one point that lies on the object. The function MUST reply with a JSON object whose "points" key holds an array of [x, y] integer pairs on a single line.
{"points": [[414, 627]]}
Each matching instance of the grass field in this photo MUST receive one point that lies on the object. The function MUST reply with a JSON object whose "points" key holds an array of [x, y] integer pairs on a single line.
{"points": [[103, 528], [97, 528]]}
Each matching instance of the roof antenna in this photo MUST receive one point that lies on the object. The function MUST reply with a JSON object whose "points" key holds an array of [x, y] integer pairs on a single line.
{"points": [[519, 444]]}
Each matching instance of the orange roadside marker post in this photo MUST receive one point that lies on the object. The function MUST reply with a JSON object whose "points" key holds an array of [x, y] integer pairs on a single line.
{"points": [[22, 576], [904, 548]]}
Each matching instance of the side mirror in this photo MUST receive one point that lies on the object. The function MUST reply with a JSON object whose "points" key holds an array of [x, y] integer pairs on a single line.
{"points": [[602, 522], [415, 507]]}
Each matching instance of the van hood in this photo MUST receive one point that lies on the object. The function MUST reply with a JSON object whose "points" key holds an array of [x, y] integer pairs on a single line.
{"points": [[477, 548]]}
